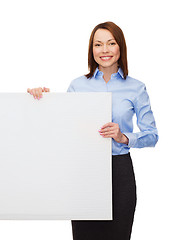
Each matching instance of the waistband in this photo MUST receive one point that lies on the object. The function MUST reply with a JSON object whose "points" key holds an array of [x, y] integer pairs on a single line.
{"points": [[122, 156]]}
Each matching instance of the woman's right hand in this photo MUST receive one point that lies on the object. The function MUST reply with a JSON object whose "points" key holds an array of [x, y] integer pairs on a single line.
{"points": [[37, 92]]}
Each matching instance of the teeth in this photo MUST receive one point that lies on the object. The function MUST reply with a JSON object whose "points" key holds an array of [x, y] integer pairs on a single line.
{"points": [[105, 58]]}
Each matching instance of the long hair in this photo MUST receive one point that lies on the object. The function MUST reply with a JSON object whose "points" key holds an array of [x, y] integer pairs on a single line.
{"points": [[119, 37]]}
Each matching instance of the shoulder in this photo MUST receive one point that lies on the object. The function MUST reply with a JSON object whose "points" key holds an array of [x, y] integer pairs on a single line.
{"points": [[137, 85], [134, 82], [136, 88], [77, 82]]}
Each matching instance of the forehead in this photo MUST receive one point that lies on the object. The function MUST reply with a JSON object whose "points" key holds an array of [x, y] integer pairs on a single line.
{"points": [[103, 35]]}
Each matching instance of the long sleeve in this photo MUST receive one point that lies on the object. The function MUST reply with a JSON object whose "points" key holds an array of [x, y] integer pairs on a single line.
{"points": [[148, 135]]}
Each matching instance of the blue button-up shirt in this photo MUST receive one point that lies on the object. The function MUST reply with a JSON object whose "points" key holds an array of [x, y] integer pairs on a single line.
{"points": [[129, 97]]}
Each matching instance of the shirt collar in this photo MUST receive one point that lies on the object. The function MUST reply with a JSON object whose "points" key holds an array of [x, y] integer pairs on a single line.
{"points": [[119, 72]]}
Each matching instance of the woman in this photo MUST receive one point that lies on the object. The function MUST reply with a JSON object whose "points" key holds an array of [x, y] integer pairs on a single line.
{"points": [[107, 61]]}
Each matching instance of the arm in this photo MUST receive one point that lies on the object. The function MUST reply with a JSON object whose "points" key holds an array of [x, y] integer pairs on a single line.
{"points": [[148, 135]]}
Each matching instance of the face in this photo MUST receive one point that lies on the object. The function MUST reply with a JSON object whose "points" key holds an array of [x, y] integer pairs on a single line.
{"points": [[106, 51]]}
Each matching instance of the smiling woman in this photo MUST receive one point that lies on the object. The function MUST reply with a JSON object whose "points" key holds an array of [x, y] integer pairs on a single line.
{"points": [[107, 61]]}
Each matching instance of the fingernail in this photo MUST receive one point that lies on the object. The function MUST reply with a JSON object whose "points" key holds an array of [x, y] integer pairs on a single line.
{"points": [[38, 98], [35, 97]]}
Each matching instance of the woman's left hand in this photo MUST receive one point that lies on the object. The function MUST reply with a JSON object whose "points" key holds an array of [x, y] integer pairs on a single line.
{"points": [[112, 130]]}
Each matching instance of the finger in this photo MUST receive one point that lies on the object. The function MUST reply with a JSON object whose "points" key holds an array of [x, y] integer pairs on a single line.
{"points": [[29, 90], [107, 129], [38, 92], [35, 93], [108, 136], [108, 133], [107, 125], [46, 89]]}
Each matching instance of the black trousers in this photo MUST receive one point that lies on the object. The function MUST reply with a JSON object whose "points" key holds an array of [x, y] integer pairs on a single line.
{"points": [[124, 204]]}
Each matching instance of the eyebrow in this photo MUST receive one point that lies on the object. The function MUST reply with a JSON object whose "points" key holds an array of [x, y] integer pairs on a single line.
{"points": [[107, 41]]}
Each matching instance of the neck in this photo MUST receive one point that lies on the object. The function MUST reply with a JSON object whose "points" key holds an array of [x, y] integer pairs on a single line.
{"points": [[107, 72]]}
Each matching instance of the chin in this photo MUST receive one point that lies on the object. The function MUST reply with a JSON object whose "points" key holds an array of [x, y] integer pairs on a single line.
{"points": [[106, 65]]}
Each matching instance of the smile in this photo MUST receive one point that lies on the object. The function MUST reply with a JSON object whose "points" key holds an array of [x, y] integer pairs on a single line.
{"points": [[106, 58]]}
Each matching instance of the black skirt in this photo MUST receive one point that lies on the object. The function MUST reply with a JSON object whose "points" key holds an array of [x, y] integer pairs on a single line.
{"points": [[124, 204]]}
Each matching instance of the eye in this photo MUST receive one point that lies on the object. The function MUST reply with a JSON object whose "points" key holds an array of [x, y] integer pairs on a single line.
{"points": [[97, 45], [112, 43]]}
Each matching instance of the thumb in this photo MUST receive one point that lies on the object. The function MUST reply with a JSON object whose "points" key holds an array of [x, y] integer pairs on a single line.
{"points": [[46, 89]]}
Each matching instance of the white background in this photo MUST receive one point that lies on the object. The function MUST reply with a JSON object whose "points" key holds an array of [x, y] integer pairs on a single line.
{"points": [[45, 43]]}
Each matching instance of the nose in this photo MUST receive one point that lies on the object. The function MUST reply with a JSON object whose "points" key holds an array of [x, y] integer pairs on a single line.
{"points": [[105, 48]]}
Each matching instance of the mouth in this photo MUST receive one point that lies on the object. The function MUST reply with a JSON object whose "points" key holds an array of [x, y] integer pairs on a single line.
{"points": [[106, 58]]}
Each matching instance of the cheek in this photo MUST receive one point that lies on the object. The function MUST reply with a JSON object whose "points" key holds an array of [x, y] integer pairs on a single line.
{"points": [[95, 53], [117, 52]]}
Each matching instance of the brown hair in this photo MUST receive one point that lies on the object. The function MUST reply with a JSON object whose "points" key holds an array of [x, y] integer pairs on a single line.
{"points": [[119, 37]]}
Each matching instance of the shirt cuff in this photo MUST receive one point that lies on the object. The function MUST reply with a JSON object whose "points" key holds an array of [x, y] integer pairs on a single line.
{"points": [[132, 139]]}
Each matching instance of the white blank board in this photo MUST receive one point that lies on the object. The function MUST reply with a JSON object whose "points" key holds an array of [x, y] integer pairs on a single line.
{"points": [[54, 164]]}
